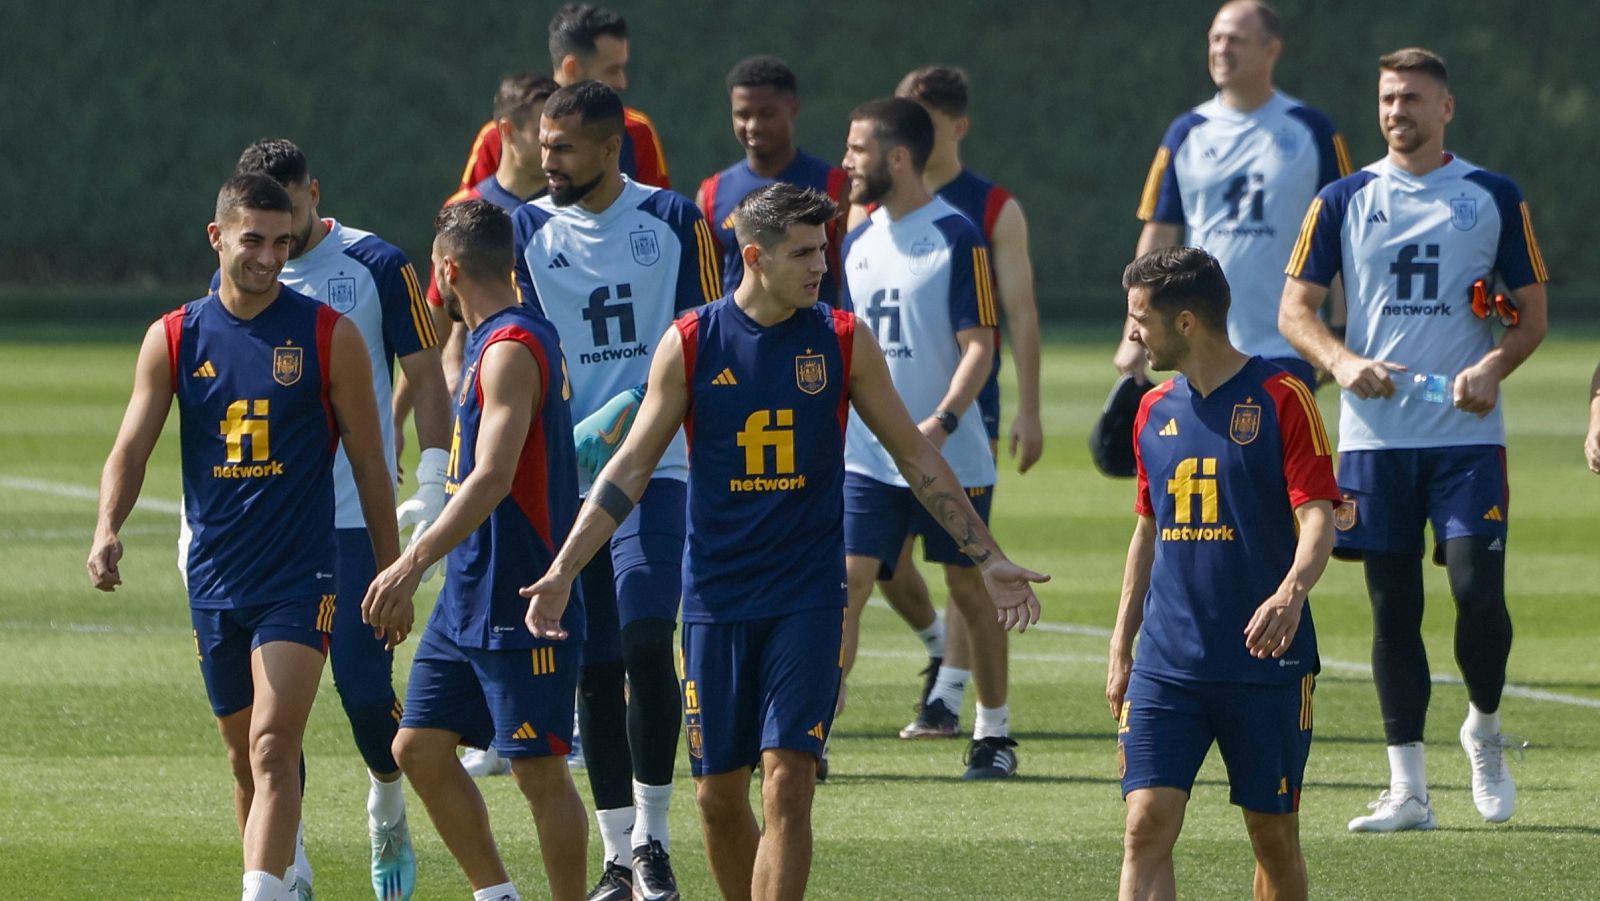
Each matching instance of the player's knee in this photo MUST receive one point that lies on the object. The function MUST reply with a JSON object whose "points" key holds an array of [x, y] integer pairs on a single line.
{"points": [[274, 755], [602, 680], [541, 779], [1276, 840], [788, 785], [647, 646], [861, 573], [722, 802], [415, 753], [1152, 826]]}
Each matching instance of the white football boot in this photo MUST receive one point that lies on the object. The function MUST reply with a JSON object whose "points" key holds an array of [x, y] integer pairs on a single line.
{"points": [[1396, 813], [1494, 792]]}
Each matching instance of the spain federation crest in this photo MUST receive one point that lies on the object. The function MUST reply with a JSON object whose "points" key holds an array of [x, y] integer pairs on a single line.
{"points": [[696, 741], [1344, 515], [1246, 423], [811, 373], [1464, 213], [921, 258], [342, 294], [646, 248], [287, 365]]}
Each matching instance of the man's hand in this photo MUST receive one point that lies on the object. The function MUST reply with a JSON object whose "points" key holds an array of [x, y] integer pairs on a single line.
{"points": [[600, 433], [1272, 629], [548, 601], [1118, 671], [387, 608], [1010, 589], [1027, 436], [934, 432], [1477, 390], [104, 555], [424, 507], [1366, 378]]}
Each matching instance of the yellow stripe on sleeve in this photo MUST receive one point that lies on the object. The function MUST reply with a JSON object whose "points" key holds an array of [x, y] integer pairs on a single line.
{"points": [[710, 274], [983, 277], [472, 155], [1341, 153], [1535, 255], [420, 318], [1152, 184], [1302, 246], [1319, 434]]}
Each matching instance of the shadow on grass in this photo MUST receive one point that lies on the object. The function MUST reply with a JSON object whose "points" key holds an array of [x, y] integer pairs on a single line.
{"points": [[1023, 776], [1552, 829]]}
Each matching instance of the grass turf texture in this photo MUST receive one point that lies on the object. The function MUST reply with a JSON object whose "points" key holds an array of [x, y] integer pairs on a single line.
{"points": [[116, 783]]}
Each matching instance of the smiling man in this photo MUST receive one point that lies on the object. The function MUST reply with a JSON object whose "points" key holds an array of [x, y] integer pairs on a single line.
{"points": [[765, 99]]}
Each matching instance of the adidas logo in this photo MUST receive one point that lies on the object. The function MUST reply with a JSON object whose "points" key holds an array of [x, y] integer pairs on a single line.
{"points": [[525, 733], [1494, 514], [206, 371], [560, 262], [1378, 218], [1497, 545], [725, 377], [817, 733], [1170, 430]]}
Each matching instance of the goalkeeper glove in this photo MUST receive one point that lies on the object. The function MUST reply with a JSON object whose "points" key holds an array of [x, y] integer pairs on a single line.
{"points": [[600, 433], [424, 507]]}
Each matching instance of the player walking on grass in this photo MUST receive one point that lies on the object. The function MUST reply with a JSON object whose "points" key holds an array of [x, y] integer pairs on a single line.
{"points": [[761, 380], [1420, 238], [1235, 503], [919, 272], [372, 283], [269, 383], [479, 676], [611, 262]]}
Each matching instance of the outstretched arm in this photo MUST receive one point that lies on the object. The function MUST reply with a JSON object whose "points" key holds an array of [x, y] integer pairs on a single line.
{"points": [[618, 487], [873, 394], [123, 475]]}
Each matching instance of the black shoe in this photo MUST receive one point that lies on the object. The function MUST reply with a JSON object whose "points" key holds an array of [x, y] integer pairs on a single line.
{"points": [[616, 884], [934, 720], [652, 874], [930, 676], [991, 758], [822, 765]]}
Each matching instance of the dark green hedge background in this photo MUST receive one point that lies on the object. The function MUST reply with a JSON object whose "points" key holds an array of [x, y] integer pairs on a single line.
{"points": [[119, 120]]}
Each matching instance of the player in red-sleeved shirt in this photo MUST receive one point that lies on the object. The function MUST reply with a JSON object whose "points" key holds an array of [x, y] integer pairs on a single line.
{"points": [[1235, 505], [586, 42]]}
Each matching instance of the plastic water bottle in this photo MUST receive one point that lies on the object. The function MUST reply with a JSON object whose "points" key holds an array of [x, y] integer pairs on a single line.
{"points": [[1428, 387]]}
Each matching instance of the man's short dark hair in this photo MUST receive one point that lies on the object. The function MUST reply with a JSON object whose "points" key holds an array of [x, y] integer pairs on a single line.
{"points": [[1182, 278], [766, 214], [252, 191], [575, 27], [594, 102], [1271, 22], [520, 96], [1415, 59], [764, 72], [943, 88], [899, 122], [277, 158], [477, 234]]}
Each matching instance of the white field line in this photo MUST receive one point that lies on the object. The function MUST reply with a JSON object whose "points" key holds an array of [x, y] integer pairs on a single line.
{"points": [[84, 492]]}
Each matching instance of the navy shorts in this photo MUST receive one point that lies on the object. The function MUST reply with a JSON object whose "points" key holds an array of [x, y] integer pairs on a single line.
{"points": [[518, 701], [1263, 732], [1390, 494], [878, 518], [989, 401], [224, 640], [758, 684], [643, 579], [1298, 368], [362, 663]]}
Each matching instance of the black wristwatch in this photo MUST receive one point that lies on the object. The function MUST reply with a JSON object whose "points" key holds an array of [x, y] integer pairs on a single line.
{"points": [[947, 420]]}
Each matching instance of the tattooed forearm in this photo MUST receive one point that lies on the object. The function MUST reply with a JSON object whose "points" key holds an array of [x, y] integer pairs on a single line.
{"points": [[952, 511]]}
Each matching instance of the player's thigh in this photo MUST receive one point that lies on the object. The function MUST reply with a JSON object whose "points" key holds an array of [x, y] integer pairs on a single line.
{"points": [[602, 638], [799, 670], [647, 554], [877, 519], [1385, 503], [362, 663], [443, 693], [721, 696], [289, 645], [1468, 494], [530, 693], [222, 648], [937, 545], [1163, 734], [1264, 734]]}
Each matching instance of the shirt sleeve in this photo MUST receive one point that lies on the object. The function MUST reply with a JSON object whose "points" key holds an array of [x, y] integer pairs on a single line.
{"points": [[522, 228], [1160, 201], [407, 324], [1142, 504], [484, 157], [699, 270], [1517, 257], [1307, 453], [1319, 252], [649, 157], [972, 300]]}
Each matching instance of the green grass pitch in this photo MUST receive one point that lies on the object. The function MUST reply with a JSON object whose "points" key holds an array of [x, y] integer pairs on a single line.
{"points": [[115, 785]]}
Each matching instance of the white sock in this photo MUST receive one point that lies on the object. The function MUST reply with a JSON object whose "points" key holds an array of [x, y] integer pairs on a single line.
{"points": [[259, 885], [302, 863], [650, 823], [1407, 775], [951, 686], [386, 801], [1482, 725], [993, 722], [290, 892], [615, 825], [933, 638], [505, 891]]}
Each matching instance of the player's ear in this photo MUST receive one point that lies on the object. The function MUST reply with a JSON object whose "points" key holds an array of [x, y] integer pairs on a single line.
{"points": [[569, 68], [962, 124], [1449, 106], [506, 130], [214, 235], [316, 193], [751, 254]]}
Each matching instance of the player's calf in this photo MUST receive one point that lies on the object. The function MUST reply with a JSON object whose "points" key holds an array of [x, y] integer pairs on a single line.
{"points": [[1280, 864]]}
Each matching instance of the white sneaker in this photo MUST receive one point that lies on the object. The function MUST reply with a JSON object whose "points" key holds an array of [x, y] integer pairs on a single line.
{"points": [[1393, 813], [1494, 792], [486, 762]]}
